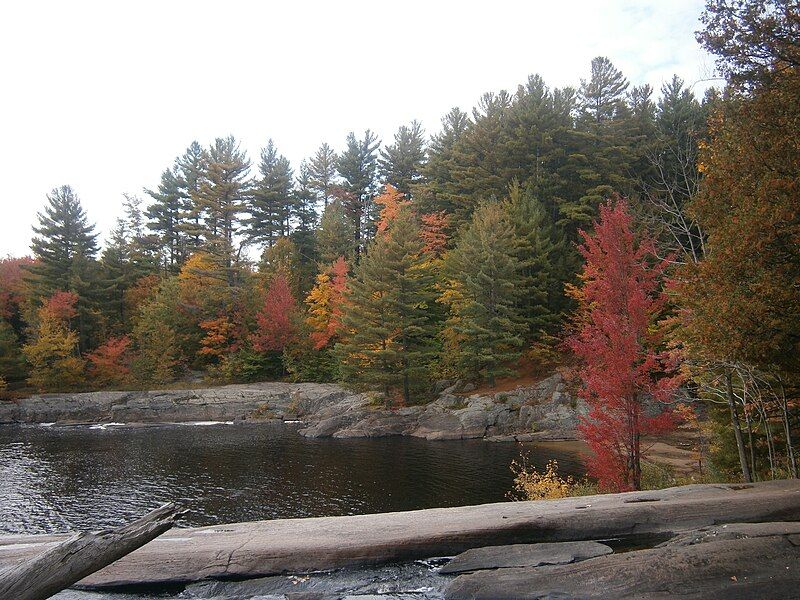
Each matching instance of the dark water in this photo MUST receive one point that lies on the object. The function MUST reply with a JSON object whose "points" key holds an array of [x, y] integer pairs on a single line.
{"points": [[55, 479]]}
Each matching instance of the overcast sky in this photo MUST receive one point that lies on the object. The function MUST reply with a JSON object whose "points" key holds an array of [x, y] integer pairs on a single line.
{"points": [[103, 95]]}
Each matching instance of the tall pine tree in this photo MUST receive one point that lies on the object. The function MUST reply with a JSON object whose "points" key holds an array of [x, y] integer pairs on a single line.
{"points": [[485, 331], [387, 331]]}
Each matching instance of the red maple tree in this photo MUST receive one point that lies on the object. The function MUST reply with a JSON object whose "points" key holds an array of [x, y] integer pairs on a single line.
{"points": [[617, 337], [110, 363], [276, 327], [61, 306]]}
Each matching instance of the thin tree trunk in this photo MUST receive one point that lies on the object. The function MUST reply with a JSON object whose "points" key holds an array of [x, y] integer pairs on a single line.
{"points": [[737, 432], [82, 555], [787, 430]]}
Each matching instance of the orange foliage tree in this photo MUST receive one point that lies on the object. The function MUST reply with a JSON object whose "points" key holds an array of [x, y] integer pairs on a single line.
{"points": [[110, 363], [325, 304]]}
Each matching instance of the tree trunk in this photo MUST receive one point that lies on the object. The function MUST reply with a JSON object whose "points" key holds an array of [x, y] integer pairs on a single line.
{"points": [[82, 555], [737, 432], [788, 433]]}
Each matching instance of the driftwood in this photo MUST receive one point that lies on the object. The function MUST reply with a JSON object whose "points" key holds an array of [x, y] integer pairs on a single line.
{"points": [[81, 555]]}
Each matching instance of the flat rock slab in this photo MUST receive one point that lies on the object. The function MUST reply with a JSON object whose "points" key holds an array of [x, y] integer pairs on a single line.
{"points": [[765, 568], [735, 531], [262, 548], [524, 555]]}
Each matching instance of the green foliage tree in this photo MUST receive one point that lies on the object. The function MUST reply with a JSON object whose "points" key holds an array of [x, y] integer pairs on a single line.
{"points": [[401, 163], [322, 173], [334, 237], [271, 204], [387, 333], [484, 332], [65, 246], [357, 166], [222, 194]]}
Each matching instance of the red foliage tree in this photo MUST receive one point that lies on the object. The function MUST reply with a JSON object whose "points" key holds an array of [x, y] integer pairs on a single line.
{"points": [[275, 320], [12, 285], [61, 306], [617, 337], [110, 363]]}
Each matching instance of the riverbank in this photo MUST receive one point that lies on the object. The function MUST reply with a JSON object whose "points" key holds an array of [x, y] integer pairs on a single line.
{"points": [[701, 550], [541, 411]]}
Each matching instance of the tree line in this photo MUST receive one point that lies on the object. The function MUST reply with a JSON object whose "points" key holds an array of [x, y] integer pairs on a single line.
{"points": [[468, 254]]}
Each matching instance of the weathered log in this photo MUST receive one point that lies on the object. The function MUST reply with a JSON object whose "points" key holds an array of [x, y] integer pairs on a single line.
{"points": [[262, 548], [81, 555]]}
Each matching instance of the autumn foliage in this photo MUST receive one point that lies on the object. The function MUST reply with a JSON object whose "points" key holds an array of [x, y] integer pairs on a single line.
{"points": [[618, 340], [276, 327], [325, 304], [110, 364]]}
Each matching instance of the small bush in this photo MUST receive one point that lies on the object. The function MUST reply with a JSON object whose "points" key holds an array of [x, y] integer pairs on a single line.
{"points": [[531, 484]]}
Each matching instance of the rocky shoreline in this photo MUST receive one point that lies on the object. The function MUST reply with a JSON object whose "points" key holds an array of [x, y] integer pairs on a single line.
{"points": [[543, 411], [697, 541]]}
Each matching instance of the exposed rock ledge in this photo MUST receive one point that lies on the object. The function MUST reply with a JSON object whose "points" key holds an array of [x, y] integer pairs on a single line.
{"points": [[264, 548], [542, 411]]}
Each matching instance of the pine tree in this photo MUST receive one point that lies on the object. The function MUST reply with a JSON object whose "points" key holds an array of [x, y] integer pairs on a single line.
{"points": [[484, 331], [65, 247], [357, 166], [539, 254], [401, 163], [12, 362], [165, 214], [386, 326], [322, 173], [303, 236], [434, 193], [335, 234], [222, 195], [603, 94], [189, 170], [271, 204]]}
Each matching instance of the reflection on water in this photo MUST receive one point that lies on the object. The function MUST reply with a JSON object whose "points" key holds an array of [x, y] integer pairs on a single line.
{"points": [[55, 479]]}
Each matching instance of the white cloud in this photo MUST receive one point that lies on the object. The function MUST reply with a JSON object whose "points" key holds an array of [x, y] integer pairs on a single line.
{"points": [[103, 95]]}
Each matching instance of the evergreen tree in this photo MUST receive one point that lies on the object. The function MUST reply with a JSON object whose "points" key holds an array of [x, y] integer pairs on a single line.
{"points": [[271, 204], [222, 195], [602, 96], [189, 170], [484, 331], [386, 326], [303, 235], [357, 166], [434, 194], [165, 214], [65, 246], [322, 173], [334, 237], [401, 163], [541, 298], [12, 362]]}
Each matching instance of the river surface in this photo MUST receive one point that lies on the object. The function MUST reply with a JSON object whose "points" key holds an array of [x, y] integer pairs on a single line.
{"points": [[56, 479]]}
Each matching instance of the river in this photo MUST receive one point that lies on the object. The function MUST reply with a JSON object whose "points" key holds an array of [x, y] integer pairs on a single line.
{"points": [[58, 479]]}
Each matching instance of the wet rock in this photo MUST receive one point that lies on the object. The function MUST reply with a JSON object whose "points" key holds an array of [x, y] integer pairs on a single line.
{"points": [[763, 568], [524, 555]]}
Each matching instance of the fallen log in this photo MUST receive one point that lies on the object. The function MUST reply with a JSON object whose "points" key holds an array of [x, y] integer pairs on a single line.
{"points": [[81, 555], [262, 548]]}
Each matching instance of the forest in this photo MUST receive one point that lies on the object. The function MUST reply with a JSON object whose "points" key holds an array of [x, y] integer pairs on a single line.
{"points": [[647, 241]]}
